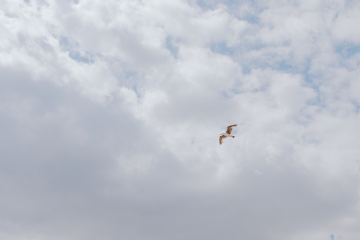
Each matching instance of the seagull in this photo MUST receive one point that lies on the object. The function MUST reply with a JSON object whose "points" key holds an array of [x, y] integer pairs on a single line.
{"points": [[227, 134]]}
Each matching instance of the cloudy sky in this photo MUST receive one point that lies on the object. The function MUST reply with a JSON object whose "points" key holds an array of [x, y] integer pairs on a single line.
{"points": [[110, 113]]}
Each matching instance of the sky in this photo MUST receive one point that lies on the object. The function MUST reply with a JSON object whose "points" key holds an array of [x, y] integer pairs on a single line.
{"points": [[111, 111]]}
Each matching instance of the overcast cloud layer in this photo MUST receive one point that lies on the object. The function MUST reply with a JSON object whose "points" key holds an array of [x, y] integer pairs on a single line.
{"points": [[110, 113]]}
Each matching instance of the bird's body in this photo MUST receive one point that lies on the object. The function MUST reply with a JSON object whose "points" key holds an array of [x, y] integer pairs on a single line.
{"points": [[227, 133]]}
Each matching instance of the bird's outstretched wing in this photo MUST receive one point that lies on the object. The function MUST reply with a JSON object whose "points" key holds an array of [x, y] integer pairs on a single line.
{"points": [[229, 128], [221, 139]]}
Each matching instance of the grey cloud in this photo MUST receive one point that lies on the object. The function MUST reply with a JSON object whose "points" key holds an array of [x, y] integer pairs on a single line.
{"points": [[61, 188]]}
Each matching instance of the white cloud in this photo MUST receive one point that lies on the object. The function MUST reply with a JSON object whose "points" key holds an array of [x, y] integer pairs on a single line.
{"points": [[110, 116]]}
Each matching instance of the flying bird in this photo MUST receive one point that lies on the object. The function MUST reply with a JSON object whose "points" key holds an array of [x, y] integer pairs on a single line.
{"points": [[227, 133]]}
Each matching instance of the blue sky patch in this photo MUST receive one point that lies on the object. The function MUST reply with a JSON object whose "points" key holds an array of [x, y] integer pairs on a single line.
{"points": [[67, 46], [222, 48], [347, 50], [169, 43]]}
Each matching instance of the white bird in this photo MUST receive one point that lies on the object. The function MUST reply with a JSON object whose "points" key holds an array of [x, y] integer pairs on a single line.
{"points": [[227, 133]]}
